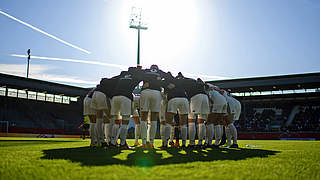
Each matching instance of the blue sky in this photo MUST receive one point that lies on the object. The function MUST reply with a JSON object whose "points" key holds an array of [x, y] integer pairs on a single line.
{"points": [[211, 39]]}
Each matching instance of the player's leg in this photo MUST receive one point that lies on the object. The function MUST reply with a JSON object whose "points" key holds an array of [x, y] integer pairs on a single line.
{"points": [[171, 134], [115, 113], [192, 116], [153, 127], [144, 110], [169, 124], [124, 131], [125, 113], [223, 137], [209, 130], [88, 110], [233, 133], [137, 129], [164, 140], [183, 128], [92, 130], [107, 128], [183, 110], [163, 124], [227, 129], [99, 130], [202, 129], [192, 129], [155, 107], [217, 129], [144, 127], [99, 103], [203, 111]]}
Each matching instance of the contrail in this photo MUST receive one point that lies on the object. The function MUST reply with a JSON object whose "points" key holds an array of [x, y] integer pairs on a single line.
{"points": [[45, 33], [122, 67]]}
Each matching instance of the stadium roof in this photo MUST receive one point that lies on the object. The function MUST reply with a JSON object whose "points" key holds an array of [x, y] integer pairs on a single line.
{"points": [[18, 82], [270, 83]]}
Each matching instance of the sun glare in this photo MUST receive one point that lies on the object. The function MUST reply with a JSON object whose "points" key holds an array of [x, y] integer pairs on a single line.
{"points": [[171, 29]]}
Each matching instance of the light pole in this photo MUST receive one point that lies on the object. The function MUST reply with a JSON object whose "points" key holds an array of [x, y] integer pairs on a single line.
{"points": [[136, 22], [28, 62]]}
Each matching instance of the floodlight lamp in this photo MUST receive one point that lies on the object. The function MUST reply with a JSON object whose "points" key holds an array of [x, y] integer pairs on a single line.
{"points": [[136, 19]]}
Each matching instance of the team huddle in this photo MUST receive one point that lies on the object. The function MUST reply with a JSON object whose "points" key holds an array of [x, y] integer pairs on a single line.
{"points": [[163, 96]]}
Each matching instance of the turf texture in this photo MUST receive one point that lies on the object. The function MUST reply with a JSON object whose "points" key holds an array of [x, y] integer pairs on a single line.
{"points": [[59, 158]]}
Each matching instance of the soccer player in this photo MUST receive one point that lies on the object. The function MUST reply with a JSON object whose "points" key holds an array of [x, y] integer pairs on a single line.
{"points": [[150, 100], [234, 112], [164, 129], [88, 111], [85, 125], [177, 102], [199, 109], [122, 101], [101, 104], [218, 109], [136, 118]]}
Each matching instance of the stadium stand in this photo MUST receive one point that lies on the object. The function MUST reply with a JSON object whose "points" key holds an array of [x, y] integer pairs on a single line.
{"points": [[277, 105], [273, 107], [40, 107]]}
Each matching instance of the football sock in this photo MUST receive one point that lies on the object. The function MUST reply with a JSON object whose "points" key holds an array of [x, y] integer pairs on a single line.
{"points": [[115, 132], [137, 132], [201, 133], [209, 132], [184, 134], [163, 134], [109, 131], [143, 128], [106, 132], [228, 135], [217, 134], [233, 133], [123, 134], [93, 133], [192, 132], [153, 130], [99, 130], [171, 133], [167, 132], [148, 132]]}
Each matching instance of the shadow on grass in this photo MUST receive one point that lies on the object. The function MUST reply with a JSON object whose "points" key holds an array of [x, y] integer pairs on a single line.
{"points": [[7, 143], [99, 156]]}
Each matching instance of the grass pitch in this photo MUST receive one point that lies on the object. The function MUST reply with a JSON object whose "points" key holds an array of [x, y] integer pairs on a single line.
{"points": [[52, 158]]}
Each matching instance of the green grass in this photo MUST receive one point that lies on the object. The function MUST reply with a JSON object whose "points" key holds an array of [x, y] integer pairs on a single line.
{"points": [[34, 158]]}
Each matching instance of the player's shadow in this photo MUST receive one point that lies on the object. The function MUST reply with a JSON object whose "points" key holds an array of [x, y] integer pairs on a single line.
{"points": [[7, 142], [137, 157]]}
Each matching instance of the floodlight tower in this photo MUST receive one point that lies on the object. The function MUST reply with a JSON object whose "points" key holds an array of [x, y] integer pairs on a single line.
{"points": [[136, 22], [28, 62]]}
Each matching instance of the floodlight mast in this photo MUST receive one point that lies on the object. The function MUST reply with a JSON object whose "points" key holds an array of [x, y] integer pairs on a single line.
{"points": [[137, 23], [28, 62]]}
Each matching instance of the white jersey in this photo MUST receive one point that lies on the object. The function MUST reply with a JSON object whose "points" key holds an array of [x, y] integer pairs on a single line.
{"points": [[234, 105], [87, 110], [218, 102]]}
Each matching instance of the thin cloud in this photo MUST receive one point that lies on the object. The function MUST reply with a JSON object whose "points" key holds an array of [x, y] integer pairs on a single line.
{"points": [[45, 33], [122, 67], [207, 77], [38, 72]]}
